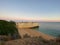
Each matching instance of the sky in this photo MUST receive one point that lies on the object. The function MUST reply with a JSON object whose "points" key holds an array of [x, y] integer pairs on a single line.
{"points": [[36, 10]]}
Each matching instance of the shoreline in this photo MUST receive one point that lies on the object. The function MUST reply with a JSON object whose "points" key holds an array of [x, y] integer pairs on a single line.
{"points": [[34, 33]]}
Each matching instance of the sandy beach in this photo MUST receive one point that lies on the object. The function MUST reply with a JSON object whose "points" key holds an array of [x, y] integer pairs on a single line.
{"points": [[34, 33]]}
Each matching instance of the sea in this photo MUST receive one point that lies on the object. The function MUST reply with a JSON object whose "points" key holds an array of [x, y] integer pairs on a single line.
{"points": [[50, 28]]}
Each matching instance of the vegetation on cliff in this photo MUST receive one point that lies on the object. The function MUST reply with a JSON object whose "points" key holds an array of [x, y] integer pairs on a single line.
{"points": [[8, 28]]}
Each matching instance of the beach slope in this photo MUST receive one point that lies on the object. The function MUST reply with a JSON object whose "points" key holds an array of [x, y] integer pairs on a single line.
{"points": [[34, 33]]}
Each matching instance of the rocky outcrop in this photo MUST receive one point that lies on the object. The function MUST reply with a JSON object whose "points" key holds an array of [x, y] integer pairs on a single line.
{"points": [[31, 41]]}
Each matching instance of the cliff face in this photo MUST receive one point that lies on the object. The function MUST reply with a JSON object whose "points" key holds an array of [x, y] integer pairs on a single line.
{"points": [[27, 25]]}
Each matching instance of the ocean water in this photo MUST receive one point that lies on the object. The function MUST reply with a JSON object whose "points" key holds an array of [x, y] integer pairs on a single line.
{"points": [[50, 28]]}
